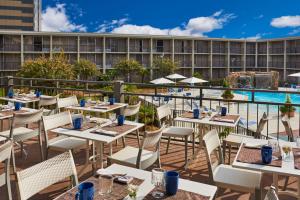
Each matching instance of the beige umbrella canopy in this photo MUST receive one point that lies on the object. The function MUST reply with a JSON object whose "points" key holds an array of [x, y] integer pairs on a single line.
{"points": [[193, 80], [161, 81], [295, 74]]}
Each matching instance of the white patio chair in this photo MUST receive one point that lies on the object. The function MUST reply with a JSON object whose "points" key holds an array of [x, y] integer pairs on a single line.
{"points": [[234, 139], [19, 132], [164, 116], [40, 176], [61, 142], [132, 111], [65, 102], [48, 101], [225, 176], [140, 157], [5, 154]]}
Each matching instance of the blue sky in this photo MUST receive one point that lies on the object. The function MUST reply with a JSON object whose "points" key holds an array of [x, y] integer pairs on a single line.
{"points": [[214, 18]]}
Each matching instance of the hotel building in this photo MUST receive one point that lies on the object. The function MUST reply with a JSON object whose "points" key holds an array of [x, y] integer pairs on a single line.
{"points": [[214, 58], [22, 15]]}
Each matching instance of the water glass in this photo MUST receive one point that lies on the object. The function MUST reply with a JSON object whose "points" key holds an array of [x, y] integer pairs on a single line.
{"points": [[274, 144], [85, 191], [158, 180], [112, 117], [106, 182], [298, 141], [286, 153]]}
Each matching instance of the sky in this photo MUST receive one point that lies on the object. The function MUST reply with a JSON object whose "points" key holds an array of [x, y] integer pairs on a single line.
{"points": [[249, 19]]}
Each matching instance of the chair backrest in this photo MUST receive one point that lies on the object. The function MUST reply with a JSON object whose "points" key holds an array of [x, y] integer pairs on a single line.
{"points": [[47, 101], [271, 194], [21, 119], [163, 113], [65, 102], [213, 145], [150, 140], [261, 125], [132, 110], [5, 154], [288, 129], [55, 121], [40, 176]]}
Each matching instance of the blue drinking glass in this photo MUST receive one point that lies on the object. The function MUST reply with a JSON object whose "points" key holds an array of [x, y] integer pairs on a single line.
{"points": [[85, 191], [121, 120], [77, 123], [112, 100], [172, 179], [196, 113], [10, 93], [18, 106], [82, 102], [266, 154], [223, 111], [38, 93]]}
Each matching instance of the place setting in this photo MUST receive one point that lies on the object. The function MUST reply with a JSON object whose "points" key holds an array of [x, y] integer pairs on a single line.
{"points": [[116, 126], [263, 154], [223, 116]]}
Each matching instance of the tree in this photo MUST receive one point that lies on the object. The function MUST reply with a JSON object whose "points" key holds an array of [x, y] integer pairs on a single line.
{"points": [[56, 68], [144, 72], [84, 69], [110, 75], [165, 66], [197, 75], [127, 68]]}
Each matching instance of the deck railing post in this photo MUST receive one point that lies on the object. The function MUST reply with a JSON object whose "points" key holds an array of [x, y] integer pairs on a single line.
{"points": [[118, 91], [9, 84]]}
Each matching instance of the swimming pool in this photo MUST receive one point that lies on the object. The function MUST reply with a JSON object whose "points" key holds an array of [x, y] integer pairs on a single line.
{"points": [[270, 97]]}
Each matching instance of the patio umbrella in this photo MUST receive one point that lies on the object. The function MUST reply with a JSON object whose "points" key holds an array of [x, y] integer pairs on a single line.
{"points": [[161, 81], [193, 80], [175, 76], [295, 74]]}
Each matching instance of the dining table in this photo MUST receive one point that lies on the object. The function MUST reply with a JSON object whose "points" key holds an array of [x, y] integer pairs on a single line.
{"points": [[249, 157], [187, 189], [105, 133], [103, 107]]}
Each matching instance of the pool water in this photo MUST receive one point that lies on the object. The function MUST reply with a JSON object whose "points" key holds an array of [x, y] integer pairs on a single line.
{"points": [[271, 97]]}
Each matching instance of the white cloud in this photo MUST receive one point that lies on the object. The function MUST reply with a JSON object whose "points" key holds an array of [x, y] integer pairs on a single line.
{"points": [[110, 25], [56, 19], [294, 32], [286, 21], [195, 26], [259, 16], [255, 37]]}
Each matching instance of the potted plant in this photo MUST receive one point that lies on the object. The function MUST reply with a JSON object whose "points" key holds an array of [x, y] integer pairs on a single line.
{"points": [[225, 132], [227, 94], [287, 108]]}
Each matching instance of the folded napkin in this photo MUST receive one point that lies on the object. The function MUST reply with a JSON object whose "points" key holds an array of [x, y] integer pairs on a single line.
{"points": [[252, 145], [219, 119], [105, 132], [101, 107]]}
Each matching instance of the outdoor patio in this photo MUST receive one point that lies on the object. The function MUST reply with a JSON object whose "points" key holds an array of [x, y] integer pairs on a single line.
{"points": [[174, 160]]}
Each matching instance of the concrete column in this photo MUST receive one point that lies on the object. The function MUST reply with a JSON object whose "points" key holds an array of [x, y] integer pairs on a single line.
{"points": [[193, 57], [118, 90], [211, 58], [245, 57], [151, 58], [128, 48], [228, 58], [22, 50], [284, 62], [104, 56], [51, 47], [256, 54], [173, 50], [78, 48], [267, 56]]}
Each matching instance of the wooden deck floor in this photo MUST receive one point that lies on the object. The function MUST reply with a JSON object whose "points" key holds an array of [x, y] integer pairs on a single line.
{"points": [[174, 160]]}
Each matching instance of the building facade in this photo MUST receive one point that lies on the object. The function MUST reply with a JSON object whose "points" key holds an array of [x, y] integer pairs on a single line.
{"points": [[22, 15], [212, 57]]}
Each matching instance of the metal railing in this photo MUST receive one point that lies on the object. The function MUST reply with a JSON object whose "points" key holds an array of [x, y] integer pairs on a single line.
{"points": [[250, 108]]}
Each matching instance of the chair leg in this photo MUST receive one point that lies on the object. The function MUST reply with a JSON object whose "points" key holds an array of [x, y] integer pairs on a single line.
{"points": [[22, 148], [8, 185], [168, 144], [186, 149], [193, 144], [41, 147], [123, 141], [229, 153], [138, 137], [286, 183], [257, 194], [13, 159]]}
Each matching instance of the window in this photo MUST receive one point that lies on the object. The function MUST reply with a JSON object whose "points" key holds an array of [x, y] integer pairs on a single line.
{"points": [[37, 43], [1, 42], [159, 45], [182, 46]]}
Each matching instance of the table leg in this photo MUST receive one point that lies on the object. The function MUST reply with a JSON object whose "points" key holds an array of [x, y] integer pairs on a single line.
{"points": [[100, 154], [224, 151], [110, 149], [275, 182], [298, 189]]}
